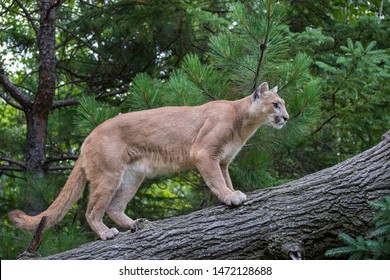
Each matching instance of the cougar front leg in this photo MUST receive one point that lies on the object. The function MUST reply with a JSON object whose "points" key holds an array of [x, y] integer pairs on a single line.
{"points": [[226, 176], [211, 172], [228, 181]]}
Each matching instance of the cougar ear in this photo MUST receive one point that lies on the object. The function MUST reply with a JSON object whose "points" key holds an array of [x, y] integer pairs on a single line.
{"points": [[275, 89], [263, 88]]}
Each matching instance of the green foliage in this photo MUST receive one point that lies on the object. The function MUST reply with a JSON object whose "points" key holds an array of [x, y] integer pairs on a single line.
{"points": [[330, 13], [237, 51], [211, 83], [376, 245], [359, 78], [350, 63], [166, 197], [35, 195], [13, 242], [192, 84], [91, 113], [145, 93]]}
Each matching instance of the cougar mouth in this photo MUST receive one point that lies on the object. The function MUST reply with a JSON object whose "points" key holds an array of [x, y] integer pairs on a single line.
{"points": [[278, 125], [279, 122]]}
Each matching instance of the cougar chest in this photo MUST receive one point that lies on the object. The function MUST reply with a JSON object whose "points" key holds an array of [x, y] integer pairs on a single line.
{"points": [[229, 152]]}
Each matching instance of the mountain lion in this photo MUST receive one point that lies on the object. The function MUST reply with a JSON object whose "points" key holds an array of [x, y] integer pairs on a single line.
{"points": [[118, 154]]}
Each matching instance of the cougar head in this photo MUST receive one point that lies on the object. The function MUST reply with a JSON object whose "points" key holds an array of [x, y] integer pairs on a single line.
{"points": [[270, 105]]}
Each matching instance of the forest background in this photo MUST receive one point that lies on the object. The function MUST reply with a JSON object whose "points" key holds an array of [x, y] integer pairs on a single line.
{"points": [[66, 66]]}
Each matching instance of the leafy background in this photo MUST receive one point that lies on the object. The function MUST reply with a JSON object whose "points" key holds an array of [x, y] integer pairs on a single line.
{"points": [[330, 60]]}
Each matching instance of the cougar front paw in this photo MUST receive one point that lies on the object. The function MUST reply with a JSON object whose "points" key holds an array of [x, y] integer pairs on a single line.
{"points": [[109, 234], [139, 224], [235, 199]]}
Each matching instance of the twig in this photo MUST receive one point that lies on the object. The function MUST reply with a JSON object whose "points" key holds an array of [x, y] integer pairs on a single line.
{"points": [[324, 123], [6, 9], [28, 16], [31, 251]]}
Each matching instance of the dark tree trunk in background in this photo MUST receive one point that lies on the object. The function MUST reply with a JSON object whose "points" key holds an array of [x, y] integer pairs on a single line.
{"points": [[301, 218], [38, 114]]}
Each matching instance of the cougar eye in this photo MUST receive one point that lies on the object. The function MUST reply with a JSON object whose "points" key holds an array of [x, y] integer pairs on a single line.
{"points": [[276, 105]]}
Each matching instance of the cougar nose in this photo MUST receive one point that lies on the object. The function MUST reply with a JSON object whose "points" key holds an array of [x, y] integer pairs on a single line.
{"points": [[286, 117]]}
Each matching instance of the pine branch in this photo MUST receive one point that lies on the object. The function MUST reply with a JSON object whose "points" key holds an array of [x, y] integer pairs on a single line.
{"points": [[263, 46]]}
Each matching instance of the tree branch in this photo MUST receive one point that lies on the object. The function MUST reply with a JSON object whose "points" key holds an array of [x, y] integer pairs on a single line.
{"points": [[72, 102], [59, 168], [13, 91], [72, 72], [10, 102], [55, 5], [11, 168], [300, 219], [15, 162], [61, 158], [21, 166]]}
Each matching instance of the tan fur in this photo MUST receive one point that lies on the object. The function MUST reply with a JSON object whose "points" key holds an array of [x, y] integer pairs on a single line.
{"points": [[121, 152]]}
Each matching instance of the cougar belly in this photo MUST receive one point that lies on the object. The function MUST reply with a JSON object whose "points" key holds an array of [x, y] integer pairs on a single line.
{"points": [[153, 166]]}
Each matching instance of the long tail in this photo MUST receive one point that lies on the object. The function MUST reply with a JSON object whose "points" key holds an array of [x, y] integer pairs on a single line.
{"points": [[70, 193]]}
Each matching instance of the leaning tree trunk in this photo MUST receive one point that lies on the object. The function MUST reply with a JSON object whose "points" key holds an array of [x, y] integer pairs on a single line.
{"points": [[301, 218]]}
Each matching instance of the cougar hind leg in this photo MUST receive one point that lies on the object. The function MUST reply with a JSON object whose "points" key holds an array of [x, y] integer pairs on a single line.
{"points": [[102, 190], [129, 185]]}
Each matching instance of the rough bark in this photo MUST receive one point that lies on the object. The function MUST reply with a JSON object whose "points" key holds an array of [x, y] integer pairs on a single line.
{"points": [[301, 218], [38, 115]]}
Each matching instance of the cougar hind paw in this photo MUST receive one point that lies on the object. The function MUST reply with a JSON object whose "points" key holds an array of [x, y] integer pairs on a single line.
{"points": [[139, 224]]}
